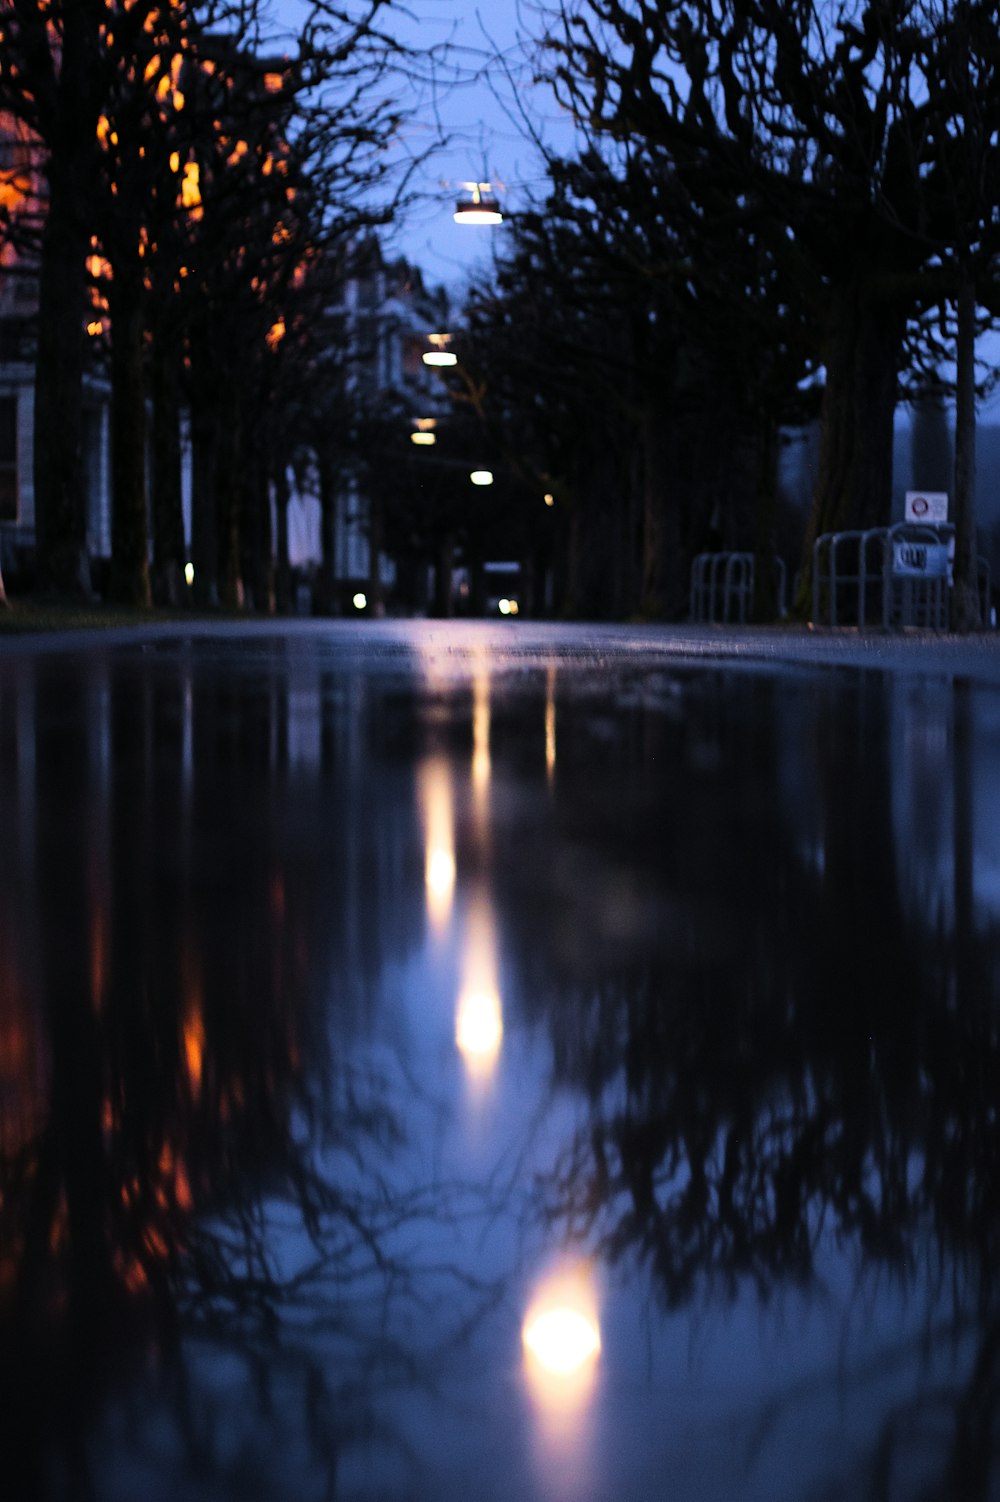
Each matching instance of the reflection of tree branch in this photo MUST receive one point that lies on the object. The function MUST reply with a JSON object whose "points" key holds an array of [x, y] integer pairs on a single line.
{"points": [[233, 1212]]}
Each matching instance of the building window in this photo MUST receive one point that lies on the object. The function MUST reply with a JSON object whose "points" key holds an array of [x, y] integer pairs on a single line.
{"points": [[8, 458]]}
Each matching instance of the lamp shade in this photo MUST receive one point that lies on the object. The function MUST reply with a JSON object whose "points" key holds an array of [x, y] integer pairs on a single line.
{"points": [[478, 206]]}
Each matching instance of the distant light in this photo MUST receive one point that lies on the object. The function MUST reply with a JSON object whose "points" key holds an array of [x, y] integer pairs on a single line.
{"points": [[425, 439], [360, 600], [189, 573], [477, 214], [482, 477], [479, 1025], [481, 207], [550, 499], [562, 1339], [439, 353], [439, 873], [514, 607], [504, 607]]}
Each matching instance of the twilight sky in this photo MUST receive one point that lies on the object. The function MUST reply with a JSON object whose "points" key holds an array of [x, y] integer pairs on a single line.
{"points": [[481, 117]]}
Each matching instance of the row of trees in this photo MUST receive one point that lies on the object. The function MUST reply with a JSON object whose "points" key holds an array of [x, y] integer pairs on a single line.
{"points": [[778, 210], [203, 191]]}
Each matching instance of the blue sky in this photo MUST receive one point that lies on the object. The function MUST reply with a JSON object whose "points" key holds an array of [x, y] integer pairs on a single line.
{"points": [[478, 106]]}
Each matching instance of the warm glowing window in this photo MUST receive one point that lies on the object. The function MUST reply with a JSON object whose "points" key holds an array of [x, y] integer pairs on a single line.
{"points": [[191, 186]]}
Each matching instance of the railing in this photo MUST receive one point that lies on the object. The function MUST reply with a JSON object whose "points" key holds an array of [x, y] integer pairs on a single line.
{"points": [[722, 587], [843, 570], [891, 576]]}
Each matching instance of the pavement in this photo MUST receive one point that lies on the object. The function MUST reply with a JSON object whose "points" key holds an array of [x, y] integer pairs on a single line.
{"points": [[379, 642]]}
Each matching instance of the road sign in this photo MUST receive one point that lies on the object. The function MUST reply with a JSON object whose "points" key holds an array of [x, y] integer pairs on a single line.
{"points": [[920, 560], [927, 506]]}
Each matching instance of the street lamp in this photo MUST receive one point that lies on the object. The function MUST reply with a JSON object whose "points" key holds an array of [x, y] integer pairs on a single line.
{"points": [[439, 354], [424, 431], [479, 207], [481, 477]]}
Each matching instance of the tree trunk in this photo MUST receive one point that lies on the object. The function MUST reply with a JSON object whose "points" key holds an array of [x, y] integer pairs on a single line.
{"points": [[443, 572], [376, 593], [227, 498], [258, 570], [204, 554], [168, 511], [327, 585], [766, 603], [283, 571], [129, 514], [60, 497], [965, 595], [854, 487], [665, 561]]}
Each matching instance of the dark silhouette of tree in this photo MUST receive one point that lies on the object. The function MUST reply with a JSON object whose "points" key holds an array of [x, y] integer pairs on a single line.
{"points": [[617, 299], [192, 163], [959, 71], [784, 1052], [824, 124], [52, 79]]}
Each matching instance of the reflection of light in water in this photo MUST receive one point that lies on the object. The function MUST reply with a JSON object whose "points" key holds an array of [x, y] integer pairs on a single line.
{"points": [[440, 875], [561, 1332], [193, 1025], [562, 1343], [98, 948], [439, 838], [562, 1339], [479, 1026], [550, 722], [479, 1015], [194, 1048], [481, 731]]}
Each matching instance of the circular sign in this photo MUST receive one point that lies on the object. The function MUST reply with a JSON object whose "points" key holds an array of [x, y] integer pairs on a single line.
{"points": [[919, 506]]}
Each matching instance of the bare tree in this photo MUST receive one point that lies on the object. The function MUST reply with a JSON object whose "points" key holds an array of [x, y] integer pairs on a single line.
{"points": [[823, 119]]}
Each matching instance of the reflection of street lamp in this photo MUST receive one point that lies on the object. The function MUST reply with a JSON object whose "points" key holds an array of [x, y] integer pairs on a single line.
{"points": [[480, 207], [440, 354]]}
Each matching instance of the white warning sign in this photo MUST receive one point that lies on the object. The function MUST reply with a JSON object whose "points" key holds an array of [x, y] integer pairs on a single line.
{"points": [[929, 506]]}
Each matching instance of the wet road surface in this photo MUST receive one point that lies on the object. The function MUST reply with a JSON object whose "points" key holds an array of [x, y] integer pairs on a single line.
{"points": [[456, 1061]]}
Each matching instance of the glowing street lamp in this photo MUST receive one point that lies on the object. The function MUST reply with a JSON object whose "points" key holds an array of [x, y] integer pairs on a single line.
{"points": [[480, 207], [424, 431], [439, 354], [481, 477]]}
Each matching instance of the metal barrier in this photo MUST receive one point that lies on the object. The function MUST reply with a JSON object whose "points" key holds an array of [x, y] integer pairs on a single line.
{"points": [[893, 576], [916, 577], [853, 579], [722, 586]]}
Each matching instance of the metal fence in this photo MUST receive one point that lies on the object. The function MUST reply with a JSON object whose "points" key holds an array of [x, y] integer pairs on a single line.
{"points": [[890, 576], [722, 586]]}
